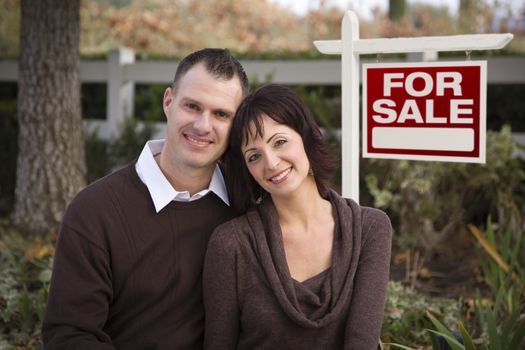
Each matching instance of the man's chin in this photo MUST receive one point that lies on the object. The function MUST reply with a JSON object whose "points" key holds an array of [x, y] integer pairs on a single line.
{"points": [[201, 164]]}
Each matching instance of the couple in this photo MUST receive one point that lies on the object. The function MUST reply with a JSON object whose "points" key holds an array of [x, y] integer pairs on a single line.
{"points": [[302, 268]]}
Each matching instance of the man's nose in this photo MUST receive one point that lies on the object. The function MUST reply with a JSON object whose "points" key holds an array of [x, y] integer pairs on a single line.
{"points": [[203, 122]]}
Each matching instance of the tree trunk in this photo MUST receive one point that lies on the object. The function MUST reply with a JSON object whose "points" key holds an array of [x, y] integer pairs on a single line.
{"points": [[396, 9], [51, 164]]}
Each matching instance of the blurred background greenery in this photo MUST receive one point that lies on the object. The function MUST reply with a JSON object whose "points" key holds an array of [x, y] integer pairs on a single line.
{"points": [[439, 265]]}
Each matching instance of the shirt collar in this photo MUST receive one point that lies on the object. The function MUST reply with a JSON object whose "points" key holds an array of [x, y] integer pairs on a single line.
{"points": [[160, 189]]}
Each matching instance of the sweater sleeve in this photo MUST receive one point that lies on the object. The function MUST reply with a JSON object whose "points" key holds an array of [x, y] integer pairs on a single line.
{"points": [[79, 295], [221, 305], [363, 326]]}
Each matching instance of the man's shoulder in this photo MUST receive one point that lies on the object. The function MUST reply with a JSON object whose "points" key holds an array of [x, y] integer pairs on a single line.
{"points": [[100, 194], [120, 178]]}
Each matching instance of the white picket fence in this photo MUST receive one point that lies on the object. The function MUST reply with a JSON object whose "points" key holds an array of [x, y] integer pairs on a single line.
{"points": [[120, 71]]}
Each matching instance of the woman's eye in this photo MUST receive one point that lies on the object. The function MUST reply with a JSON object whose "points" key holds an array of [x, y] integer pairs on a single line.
{"points": [[280, 142], [252, 158]]}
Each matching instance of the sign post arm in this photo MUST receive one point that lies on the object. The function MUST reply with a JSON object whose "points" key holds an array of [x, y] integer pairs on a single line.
{"points": [[469, 42], [350, 108]]}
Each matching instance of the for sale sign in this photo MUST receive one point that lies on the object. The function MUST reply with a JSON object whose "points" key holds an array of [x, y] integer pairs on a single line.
{"points": [[425, 111]]}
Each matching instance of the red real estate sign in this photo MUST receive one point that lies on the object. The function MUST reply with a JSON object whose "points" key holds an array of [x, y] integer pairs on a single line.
{"points": [[425, 111]]}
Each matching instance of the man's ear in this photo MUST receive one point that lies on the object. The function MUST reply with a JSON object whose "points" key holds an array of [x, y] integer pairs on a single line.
{"points": [[167, 100]]}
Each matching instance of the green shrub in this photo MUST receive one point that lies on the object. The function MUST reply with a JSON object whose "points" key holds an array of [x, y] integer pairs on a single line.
{"points": [[102, 156], [24, 279], [501, 323], [325, 104], [98, 159], [499, 318], [405, 320], [431, 201], [504, 107], [148, 102], [94, 101]]}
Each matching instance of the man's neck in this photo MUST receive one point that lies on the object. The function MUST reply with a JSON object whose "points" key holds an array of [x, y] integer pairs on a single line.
{"points": [[182, 179]]}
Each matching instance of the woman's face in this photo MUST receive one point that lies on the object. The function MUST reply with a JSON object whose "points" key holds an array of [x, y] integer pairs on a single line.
{"points": [[277, 160]]}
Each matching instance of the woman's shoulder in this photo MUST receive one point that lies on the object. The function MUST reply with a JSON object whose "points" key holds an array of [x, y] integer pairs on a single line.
{"points": [[369, 215], [374, 215], [376, 225], [373, 220], [232, 233]]}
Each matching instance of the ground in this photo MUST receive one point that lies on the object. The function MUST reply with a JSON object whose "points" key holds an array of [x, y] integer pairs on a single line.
{"points": [[452, 271]]}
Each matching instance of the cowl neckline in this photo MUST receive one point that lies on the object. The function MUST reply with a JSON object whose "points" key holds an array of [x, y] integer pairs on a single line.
{"points": [[303, 306]]}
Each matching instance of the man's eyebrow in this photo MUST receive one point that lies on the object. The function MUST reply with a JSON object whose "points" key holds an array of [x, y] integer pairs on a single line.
{"points": [[225, 110], [189, 99], [215, 110]]}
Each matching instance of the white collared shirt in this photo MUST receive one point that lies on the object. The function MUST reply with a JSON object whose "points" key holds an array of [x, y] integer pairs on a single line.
{"points": [[160, 189]]}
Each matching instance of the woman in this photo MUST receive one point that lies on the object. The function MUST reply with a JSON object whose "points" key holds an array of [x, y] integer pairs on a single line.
{"points": [[303, 268]]}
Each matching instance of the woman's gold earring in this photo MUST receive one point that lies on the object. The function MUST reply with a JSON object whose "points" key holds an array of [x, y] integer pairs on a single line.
{"points": [[310, 172]]}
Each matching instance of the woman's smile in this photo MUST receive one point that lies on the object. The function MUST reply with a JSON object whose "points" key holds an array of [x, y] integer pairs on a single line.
{"points": [[277, 179]]}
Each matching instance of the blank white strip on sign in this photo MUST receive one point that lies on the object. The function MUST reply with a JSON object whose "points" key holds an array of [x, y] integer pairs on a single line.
{"points": [[436, 139]]}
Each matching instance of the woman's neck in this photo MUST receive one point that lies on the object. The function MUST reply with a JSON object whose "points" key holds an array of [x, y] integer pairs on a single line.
{"points": [[302, 208]]}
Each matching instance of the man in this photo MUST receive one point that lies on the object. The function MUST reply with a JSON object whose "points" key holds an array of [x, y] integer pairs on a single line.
{"points": [[128, 262]]}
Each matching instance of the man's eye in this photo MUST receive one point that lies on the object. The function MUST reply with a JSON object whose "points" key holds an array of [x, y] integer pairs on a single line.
{"points": [[221, 114], [192, 106]]}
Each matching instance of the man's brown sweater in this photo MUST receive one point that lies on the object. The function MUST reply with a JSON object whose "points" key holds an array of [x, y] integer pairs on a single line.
{"points": [[252, 302], [125, 276]]}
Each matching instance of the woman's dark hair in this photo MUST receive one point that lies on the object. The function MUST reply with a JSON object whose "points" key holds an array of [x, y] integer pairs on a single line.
{"points": [[282, 105]]}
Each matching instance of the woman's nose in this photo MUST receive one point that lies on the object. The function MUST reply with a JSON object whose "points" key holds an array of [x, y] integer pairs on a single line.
{"points": [[272, 160]]}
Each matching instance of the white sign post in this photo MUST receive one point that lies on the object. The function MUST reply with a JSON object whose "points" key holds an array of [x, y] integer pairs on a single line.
{"points": [[350, 47]]}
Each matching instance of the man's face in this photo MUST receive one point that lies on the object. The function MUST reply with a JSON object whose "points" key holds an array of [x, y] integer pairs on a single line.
{"points": [[199, 116]]}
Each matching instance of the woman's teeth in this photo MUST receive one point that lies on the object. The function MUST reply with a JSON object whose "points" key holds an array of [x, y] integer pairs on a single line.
{"points": [[281, 176]]}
